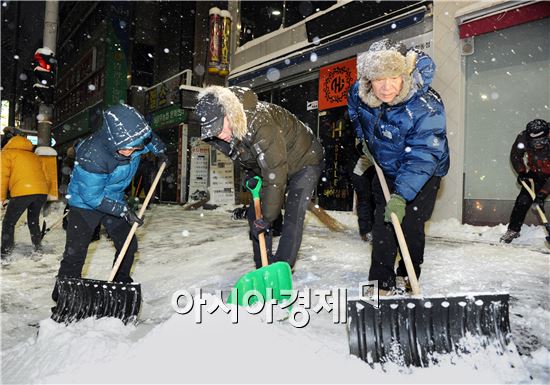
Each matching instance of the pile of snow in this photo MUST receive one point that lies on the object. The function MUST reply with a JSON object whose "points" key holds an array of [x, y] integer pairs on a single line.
{"points": [[206, 249]]}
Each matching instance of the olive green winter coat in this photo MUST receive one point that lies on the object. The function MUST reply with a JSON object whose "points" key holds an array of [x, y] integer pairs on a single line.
{"points": [[268, 141]]}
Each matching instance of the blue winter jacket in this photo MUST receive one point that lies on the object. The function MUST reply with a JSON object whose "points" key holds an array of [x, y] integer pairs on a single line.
{"points": [[408, 140], [100, 173]]}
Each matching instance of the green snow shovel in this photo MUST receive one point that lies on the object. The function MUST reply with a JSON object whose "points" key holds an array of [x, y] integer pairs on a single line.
{"points": [[415, 330], [82, 298], [268, 282]]}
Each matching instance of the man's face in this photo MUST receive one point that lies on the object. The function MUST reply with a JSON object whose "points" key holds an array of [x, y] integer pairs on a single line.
{"points": [[128, 151], [387, 89], [227, 133], [539, 143]]}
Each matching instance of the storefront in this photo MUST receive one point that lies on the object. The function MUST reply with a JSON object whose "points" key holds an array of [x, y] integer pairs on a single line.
{"points": [[313, 84], [506, 61], [169, 121]]}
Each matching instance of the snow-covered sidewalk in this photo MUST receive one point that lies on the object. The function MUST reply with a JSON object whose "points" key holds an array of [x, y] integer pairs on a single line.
{"points": [[184, 250]]}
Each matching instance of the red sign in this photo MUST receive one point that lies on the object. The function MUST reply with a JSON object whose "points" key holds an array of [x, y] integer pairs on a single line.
{"points": [[334, 83]]}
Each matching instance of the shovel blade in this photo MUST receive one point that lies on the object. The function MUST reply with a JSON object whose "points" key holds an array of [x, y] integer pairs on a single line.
{"points": [[407, 331], [277, 277], [82, 298]]}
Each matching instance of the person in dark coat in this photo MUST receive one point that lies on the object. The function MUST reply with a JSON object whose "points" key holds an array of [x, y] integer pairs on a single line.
{"points": [[24, 178], [270, 142], [145, 175], [402, 121], [532, 143], [105, 163], [362, 177]]}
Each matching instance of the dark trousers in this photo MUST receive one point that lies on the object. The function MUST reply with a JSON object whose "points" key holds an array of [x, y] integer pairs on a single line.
{"points": [[80, 228], [362, 184], [17, 205], [522, 205], [299, 191], [384, 244]]}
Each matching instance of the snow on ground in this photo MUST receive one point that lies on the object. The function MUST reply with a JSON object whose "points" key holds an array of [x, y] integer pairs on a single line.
{"points": [[185, 250]]}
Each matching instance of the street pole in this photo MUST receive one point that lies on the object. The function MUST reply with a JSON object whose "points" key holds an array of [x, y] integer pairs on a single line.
{"points": [[45, 111]]}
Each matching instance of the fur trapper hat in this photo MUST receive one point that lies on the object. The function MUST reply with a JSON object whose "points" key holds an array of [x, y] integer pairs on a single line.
{"points": [[215, 103], [385, 59]]}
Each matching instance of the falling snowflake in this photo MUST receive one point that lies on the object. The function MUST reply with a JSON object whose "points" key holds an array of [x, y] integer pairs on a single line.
{"points": [[273, 74]]}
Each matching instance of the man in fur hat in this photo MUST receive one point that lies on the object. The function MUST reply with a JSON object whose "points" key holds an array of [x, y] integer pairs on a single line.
{"points": [[270, 142], [401, 120]]}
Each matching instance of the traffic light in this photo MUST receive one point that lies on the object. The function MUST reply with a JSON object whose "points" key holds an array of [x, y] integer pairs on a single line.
{"points": [[44, 73]]}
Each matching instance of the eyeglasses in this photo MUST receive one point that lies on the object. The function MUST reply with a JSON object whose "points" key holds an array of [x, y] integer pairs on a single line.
{"points": [[539, 142]]}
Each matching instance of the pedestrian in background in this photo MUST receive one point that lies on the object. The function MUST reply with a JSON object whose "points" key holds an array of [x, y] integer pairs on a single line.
{"points": [[362, 177], [24, 178], [532, 143]]}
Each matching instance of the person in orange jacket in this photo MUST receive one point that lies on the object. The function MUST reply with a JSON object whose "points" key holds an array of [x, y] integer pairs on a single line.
{"points": [[24, 177]]}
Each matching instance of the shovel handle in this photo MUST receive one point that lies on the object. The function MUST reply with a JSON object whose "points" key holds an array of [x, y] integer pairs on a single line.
{"points": [[533, 196], [261, 236], [254, 185], [135, 225], [399, 233]]}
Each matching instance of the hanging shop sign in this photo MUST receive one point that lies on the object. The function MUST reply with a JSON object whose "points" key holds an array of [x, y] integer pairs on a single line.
{"points": [[334, 83], [222, 186], [198, 173], [166, 93], [167, 117]]}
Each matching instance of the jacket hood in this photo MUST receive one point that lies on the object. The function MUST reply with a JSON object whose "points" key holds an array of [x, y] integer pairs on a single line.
{"points": [[236, 102], [124, 127], [19, 143], [418, 70]]}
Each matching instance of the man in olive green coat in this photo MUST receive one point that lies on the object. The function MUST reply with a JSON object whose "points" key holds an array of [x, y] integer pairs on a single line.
{"points": [[270, 142]]}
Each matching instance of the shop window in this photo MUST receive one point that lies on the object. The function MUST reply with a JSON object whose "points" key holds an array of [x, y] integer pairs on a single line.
{"points": [[296, 11], [259, 18], [297, 98], [507, 78], [335, 190], [167, 190]]}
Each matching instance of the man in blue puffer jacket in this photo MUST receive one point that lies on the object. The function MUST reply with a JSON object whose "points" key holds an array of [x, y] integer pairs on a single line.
{"points": [[401, 120], [105, 164]]}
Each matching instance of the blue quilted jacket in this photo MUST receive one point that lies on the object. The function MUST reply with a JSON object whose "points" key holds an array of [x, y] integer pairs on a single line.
{"points": [[100, 174], [407, 140]]}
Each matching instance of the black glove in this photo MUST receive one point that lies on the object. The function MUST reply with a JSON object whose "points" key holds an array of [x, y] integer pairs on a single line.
{"points": [[248, 177], [259, 226], [239, 213], [131, 217], [525, 176], [540, 198], [163, 158]]}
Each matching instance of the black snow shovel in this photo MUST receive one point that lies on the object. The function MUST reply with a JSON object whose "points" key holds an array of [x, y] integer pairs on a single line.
{"points": [[415, 330], [81, 297]]}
